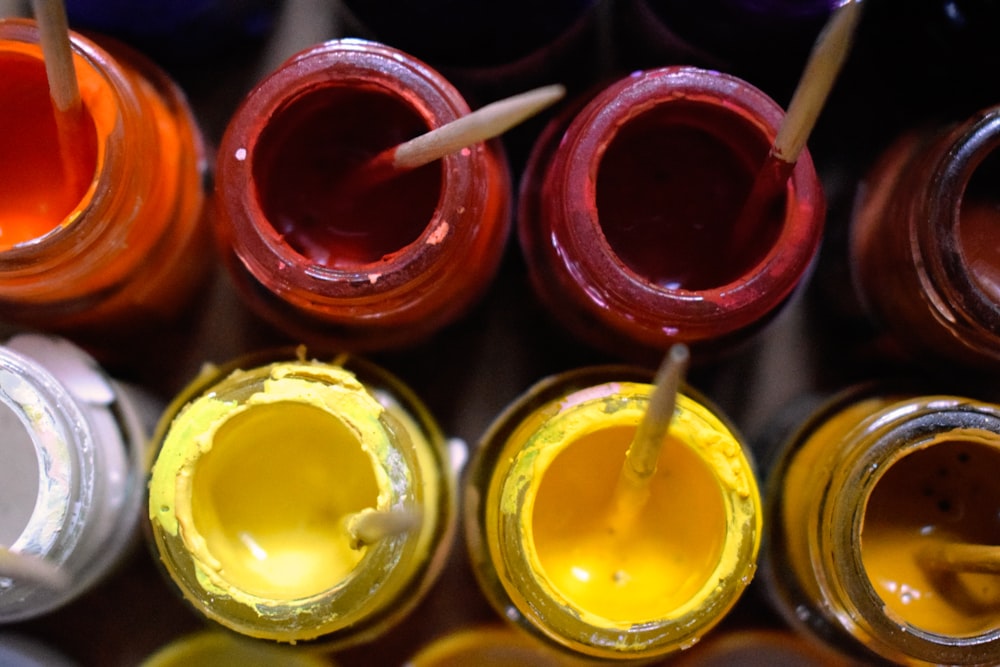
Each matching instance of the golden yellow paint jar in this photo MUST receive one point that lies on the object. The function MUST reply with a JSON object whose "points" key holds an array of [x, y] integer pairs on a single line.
{"points": [[870, 496], [555, 555], [261, 473]]}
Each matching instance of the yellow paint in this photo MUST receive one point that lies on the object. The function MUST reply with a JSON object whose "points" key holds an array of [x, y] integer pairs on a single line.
{"points": [[259, 491], [696, 540], [636, 572], [271, 496], [944, 492]]}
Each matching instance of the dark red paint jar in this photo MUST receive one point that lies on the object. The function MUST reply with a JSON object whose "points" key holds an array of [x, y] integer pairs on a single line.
{"points": [[628, 216], [924, 245], [327, 259]]}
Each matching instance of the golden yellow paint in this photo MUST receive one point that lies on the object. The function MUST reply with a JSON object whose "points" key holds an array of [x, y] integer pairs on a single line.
{"points": [[259, 492], [641, 571], [945, 492], [554, 526]]}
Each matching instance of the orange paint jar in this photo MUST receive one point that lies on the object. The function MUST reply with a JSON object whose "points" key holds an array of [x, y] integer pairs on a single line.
{"points": [[122, 251], [867, 496]]}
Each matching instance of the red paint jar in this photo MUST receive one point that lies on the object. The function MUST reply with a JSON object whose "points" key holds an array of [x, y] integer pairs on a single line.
{"points": [[925, 250], [117, 260], [362, 268], [627, 216]]}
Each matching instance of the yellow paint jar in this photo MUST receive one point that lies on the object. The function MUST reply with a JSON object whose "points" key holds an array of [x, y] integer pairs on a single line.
{"points": [[256, 492], [866, 496], [556, 555]]}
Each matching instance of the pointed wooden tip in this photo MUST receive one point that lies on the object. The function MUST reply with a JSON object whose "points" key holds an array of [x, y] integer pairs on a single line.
{"points": [[485, 123], [825, 62]]}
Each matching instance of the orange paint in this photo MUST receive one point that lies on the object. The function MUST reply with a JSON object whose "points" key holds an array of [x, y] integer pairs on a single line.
{"points": [[944, 493], [124, 250], [35, 195], [882, 505]]}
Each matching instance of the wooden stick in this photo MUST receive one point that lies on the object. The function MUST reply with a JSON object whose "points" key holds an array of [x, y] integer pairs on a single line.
{"points": [[53, 31], [824, 64], [482, 124], [23, 568], [643, 453], [370, 526], [959, 557], [632, 490]]}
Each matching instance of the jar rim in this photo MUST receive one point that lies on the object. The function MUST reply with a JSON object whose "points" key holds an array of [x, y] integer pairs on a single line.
{"points": [[259, 247], [703, 313], [537, 598]]}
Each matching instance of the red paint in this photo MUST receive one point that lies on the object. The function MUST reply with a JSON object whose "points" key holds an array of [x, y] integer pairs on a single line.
{"points": [[669, 190], [34, 195], [979, 231], [316, 143], [631, 215]]}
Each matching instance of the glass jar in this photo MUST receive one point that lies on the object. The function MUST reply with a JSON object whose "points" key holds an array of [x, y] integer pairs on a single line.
{"points": [[559, 555], [124, 253], [924, 262], [627, 216], [329, 259], [73, 445], [301, 500], [865, 495]]}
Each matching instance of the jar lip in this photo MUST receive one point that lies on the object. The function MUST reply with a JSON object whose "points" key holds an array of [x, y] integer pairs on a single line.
{"points": [[893, 432], [63, 441], [343, 62], [537, 595], [962, 151], [773, 278], [375, 577]]}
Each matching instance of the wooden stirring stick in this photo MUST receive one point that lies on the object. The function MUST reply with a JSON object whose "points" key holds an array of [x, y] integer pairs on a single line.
{"points": [[53, 29], [959, 557], [824, 64], [369, 526], [31, 569], [632, 490], [482, 124]]}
